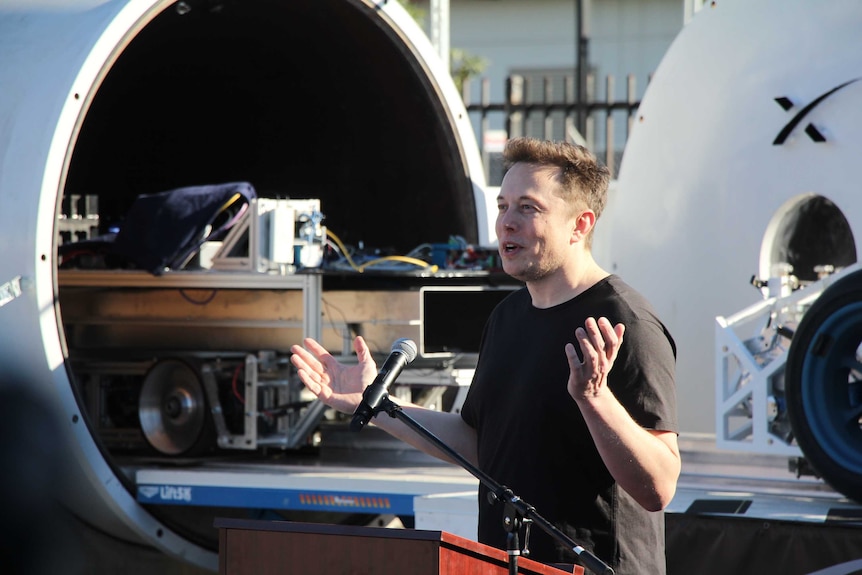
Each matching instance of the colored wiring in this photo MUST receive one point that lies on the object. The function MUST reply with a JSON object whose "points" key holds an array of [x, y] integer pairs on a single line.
{"points": [[405, 259], [233, 383], [203, 301], [361, 268], [343, 249], [227, 204]]}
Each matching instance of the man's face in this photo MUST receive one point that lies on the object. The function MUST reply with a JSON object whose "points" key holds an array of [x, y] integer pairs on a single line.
{"points": [[534, 224]]}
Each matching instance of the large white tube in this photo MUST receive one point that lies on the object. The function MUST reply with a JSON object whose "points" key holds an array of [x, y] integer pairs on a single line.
{"points": [[54, 55]]}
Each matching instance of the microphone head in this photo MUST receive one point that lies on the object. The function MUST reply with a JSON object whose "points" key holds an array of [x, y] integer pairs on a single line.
{"points": [[407, 347]]}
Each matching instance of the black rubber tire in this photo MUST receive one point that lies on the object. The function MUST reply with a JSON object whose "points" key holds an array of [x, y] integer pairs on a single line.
{"points": [[823, 378]]}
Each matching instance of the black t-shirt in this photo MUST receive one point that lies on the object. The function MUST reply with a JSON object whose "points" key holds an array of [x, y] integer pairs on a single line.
{"points": [[533, 439]]}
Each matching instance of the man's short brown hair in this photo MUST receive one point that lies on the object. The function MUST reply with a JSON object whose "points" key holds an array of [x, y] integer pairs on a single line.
{"points": [[583, 179]]}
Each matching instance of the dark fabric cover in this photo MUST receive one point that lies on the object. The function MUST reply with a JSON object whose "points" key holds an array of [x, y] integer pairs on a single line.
{"points": [[162, 230]]}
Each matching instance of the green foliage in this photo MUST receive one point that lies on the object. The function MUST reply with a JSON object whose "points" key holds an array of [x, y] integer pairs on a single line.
{"points": [[462, 64], [415, 11], [465, 66]]}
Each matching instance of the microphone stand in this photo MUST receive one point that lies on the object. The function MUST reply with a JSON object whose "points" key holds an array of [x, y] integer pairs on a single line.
{"points": [[517, 512]]}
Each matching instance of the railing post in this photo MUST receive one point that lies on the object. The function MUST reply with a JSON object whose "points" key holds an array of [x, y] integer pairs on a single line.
{"points": [[466, 88], [590, 129], [514, 106], [609, 125], [516, 110], [486, 102], [569, 126]]}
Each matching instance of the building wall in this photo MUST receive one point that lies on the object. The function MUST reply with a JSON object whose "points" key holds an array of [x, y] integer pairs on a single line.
{"points": [[625, 37]]}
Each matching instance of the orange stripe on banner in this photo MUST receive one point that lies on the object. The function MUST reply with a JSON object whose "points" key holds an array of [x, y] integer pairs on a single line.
{"points": [[344, 501]]}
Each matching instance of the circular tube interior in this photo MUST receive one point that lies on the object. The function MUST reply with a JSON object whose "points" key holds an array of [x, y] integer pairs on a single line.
{"points": [[306, 99], [325, 99]]}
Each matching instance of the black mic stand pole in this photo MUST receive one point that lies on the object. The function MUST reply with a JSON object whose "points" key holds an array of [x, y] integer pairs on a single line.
{"points": [[517, 512]]}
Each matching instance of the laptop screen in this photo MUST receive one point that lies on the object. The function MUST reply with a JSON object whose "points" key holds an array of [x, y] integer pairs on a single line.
{"points": [[452, 318]]}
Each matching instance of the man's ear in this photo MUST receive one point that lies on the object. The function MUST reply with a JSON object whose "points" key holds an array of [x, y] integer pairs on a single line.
{"points": [[583, 224]]}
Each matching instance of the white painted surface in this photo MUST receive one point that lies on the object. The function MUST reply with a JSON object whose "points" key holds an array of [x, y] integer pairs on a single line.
{"points": [[701, 179]]}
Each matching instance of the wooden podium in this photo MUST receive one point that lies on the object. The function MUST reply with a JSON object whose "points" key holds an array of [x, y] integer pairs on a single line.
{"points": [[249, 547]]}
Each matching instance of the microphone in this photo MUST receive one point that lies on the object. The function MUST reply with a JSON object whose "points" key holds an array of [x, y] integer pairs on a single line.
{"points": [[403, 352]]}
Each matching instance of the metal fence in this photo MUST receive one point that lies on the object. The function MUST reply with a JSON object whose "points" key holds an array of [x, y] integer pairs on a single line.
{"points": [[546, 111]]}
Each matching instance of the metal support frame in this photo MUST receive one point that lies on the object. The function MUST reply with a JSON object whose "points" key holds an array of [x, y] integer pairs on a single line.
{"points": [[271, 229], [751, 351], [289, 434]]}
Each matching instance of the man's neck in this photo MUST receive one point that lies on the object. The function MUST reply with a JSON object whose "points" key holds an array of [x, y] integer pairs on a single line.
{"points": [[565, 285]]}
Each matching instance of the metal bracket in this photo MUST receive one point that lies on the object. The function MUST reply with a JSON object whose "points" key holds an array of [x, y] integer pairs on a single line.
{"points": [[751, 349]]}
